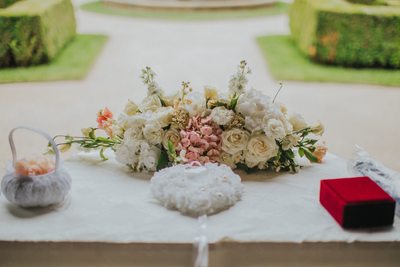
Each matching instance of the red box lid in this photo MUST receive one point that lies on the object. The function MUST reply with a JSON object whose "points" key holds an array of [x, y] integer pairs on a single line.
{"points": [[356, 190]]}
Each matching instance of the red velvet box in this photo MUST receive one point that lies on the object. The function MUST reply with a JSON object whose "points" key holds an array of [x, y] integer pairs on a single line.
{"points": [[357, 202]]}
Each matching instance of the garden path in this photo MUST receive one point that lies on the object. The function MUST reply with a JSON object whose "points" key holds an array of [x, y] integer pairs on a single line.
{"points": [[205, 53]]}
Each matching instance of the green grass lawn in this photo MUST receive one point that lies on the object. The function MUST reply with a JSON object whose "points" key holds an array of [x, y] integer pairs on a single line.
{"points": [[99, 7], [73, 63], [287, 63]]}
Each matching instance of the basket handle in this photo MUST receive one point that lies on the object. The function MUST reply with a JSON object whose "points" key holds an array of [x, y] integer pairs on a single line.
{"points": [[45, 135]]}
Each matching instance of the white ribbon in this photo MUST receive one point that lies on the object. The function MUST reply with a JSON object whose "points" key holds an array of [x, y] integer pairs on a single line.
{"points": [[201, 244]]}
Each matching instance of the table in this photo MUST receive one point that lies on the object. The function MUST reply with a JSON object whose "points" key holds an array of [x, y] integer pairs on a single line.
{"points": [[111, 219]]}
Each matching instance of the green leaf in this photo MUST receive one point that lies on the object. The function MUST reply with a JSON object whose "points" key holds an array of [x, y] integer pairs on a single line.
{"points": [[301, 152], [310, 155], [221, 104], [312, 141], [92, 134], [289, 153], [162, 160], [171, 150], [102, 156], [233, 103]]}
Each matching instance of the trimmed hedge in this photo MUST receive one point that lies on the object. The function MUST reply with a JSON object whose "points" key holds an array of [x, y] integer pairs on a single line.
{"points": [[6, 3], [34, 31], [368, 2], [339, 32]]}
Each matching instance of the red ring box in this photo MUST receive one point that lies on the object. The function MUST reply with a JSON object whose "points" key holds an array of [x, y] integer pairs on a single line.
{"points": [[357, 202]]}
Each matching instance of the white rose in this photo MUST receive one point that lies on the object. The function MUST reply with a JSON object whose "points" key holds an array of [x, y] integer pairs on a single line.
{"points": [[259, 150], [131, 108], [163, 116], [231, 160], [148, 158], [221, 115], [234, 140], [290, 141], [150, 103], [171, 135], [298, 122], [274, 128], [153, 132]]}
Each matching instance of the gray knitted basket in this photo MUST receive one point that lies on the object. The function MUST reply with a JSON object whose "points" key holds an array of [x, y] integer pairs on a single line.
{"points": [[35, 191]]}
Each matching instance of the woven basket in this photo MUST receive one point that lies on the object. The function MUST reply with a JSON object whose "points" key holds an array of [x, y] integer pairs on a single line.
{"points": [[35, 191]]}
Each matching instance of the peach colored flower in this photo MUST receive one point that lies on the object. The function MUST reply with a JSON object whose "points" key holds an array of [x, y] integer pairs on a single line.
{"points": [[33, 167], [320, 152], [105, 121]]}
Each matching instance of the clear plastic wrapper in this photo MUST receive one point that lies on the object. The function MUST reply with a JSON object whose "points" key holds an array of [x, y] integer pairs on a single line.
{"points": [[389, 180]]}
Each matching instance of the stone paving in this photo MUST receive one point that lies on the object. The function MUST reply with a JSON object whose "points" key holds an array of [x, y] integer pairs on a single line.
{"points": [[205, 53]]}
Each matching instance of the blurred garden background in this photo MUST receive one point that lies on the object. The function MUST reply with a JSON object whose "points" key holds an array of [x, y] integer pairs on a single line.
{"points": [[338, 60]]}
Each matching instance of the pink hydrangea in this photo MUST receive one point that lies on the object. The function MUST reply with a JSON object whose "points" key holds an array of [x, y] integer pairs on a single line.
{"points": [[201, 141]]}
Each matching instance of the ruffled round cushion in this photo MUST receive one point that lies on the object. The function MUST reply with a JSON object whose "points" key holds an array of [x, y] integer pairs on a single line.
{"points": [[197, 191]]}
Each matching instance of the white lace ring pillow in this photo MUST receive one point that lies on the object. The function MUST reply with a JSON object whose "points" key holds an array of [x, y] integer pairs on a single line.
{"points": [[39, 190]]}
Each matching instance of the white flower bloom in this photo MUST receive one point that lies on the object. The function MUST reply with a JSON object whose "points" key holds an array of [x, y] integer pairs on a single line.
{"points": [[231, 160], [134, 133], [148, 157], [238, 82], [210, 92], [123, 154], [128, 152], [135, 121], [259, 150], [257, 109], [138, 154], [234, 140], [290, 141], [221, 115], [274, 128], [297, 121], [195, 103], [131, 108], [182, 156], [318, 129], [283, 108], [153, 133], [163, 115], [150, 103], [171, 135]]}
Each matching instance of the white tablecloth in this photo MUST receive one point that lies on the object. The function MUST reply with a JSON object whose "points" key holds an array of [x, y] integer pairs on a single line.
{"points": [[108, 204]]}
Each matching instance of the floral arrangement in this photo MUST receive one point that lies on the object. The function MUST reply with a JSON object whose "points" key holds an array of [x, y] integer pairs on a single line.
{"points": [[242, 129]]}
